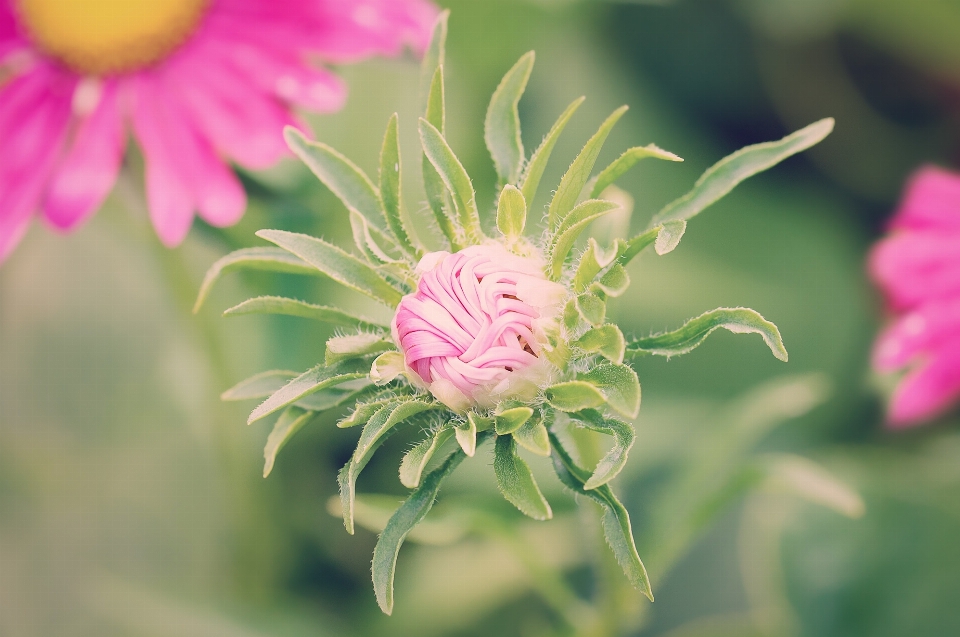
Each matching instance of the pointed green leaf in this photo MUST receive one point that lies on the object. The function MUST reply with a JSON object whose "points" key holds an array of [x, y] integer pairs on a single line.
{"points": [[377, 429], [338, 265], [607, 383], [669, 236], [724, 176], [310, 381], [364, 411], [293, 307], [613, 461], [387, 367], [616, 520], [454, 177], [363, 238], [606, 340], [511, 212], [614, 281], [501, 128], [593, 260], [570, 229], [532, 436], [410, 513], [574, 395], [259, 385], [467, 435], [289, 423], [350, 184], [509, 420], [416, 460], [434, 57], [333, 396], [592, 308], [353, 345], [573, 181], [737, 320], [437, 196], [625, 162], [261, 258], [390, 189], [516, 481], [538, 161]]}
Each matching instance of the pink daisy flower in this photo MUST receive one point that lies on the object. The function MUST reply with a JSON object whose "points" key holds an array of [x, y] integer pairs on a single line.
{"points": [[198, 83], [918, 268]]}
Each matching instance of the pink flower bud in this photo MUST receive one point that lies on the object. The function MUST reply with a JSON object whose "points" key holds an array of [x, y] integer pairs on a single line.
{"points": [[473, 331]]}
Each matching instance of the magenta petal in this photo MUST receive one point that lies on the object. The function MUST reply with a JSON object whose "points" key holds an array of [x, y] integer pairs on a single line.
{"points": [[931, 201], [927, 391], [87, 173], [913, 267]]}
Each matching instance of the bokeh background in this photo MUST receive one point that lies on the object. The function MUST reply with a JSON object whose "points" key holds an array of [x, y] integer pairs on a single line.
{"points": [[131, 498]]}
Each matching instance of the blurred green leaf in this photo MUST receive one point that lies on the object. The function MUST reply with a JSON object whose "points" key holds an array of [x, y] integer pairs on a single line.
{"points": [[302, 309], [808, 480], [259, 385], [433, 58], [516, 482], [288, 424], [343, 268], [261, 258], [501, 128], [538, 161], [613, 461], [695, 331], [625, 162]]}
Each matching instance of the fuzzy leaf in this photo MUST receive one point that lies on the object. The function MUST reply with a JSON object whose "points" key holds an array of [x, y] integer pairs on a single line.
{"points": [[614, 385], [390, 189], [467, 436], [387, 367], [416, 460], [338, 265], [614, 281], [724, 176], [434, 57], [310, 381], [592, 308], [501, 128], [289, 423], [538, 161], [363, 237], [737, 320], [593, 260], [260, 258], [571, 227], [625, 162], [350, 184], [616, 520], [437, 196], [516, 481], [606, 340], [293, 307], [410, 513], [363, 412], [259, 385], [669, 236], [573, 181], [332, 396], [511, 212], [340, 348], [613, 461], [532, 436], [509, 420], [374, 433], [454, 177]]}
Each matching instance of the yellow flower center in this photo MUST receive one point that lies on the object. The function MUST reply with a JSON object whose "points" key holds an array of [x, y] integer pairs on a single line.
{"points": [[99, 37]]}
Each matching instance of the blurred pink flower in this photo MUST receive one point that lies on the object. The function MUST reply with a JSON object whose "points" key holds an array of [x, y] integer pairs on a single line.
{"points": [[475, 322], [199, 82], [918, 268]]}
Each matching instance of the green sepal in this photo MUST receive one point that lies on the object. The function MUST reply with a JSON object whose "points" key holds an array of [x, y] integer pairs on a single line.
{"points": [[625, 162], [614, 385], [737, 320], [267, 259], [606, 340], [509, 420], [538, 161], [511, 212], [302, 309], [501, 128], [390, 173], [516, 482], [614, 281], [591, 308], [340, 266], [614, 460], [573, 181], [289, 423], [454, 177], [616, 520], [341, 348], [532, 436], [309, 382], [722, 177], [466, 433], [416, 460], [410, 513]]}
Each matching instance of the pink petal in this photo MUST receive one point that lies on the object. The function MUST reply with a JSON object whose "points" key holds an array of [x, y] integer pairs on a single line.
{"points": [[87, 173], [931, 201], [927, 328], [912, 267], [927, 391]]}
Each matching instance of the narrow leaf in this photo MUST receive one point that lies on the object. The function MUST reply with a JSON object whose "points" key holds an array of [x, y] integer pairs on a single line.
{"points": [[434, 56], [390, 189], [338, 265], [501, 128], [362, 412], [593, 260], [511, 212], [812, 482], [259, 385], [625, 162], [340, 348], [724, 176], [737, 320], [616, 520], [350, 184], [454, 177], [613, 461], [311, 381], [363, 238], [261, 258], [516, 481], [293, 307], [416, 460], [573, 181], [606, 340], [289, 423], [538, 161], [571, 227]]}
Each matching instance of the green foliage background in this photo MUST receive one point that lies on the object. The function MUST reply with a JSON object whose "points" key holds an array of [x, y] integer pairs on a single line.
{"points": [[131, 501]]}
